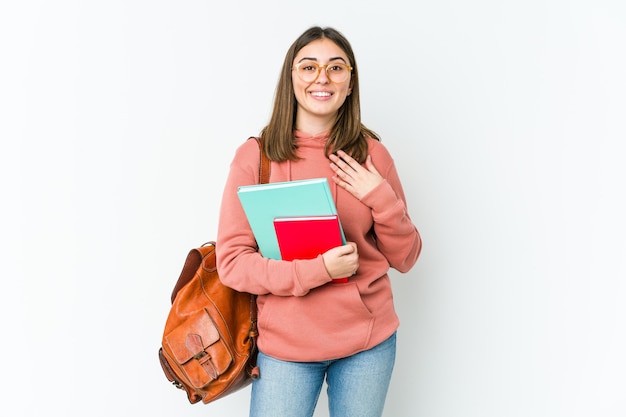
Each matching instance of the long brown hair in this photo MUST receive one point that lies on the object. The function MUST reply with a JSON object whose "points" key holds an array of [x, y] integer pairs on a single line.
{"points": [[347, 134]]}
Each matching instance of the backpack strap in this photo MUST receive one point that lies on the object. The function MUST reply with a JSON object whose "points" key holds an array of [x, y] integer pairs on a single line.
{"points": [[264, 163], [264, 178]]}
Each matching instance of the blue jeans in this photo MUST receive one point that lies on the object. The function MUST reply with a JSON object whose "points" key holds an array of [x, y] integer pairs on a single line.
{"points": [[357, 384]]}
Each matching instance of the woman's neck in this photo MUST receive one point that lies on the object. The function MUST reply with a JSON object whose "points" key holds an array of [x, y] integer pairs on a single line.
{"points": [[314, 126]]}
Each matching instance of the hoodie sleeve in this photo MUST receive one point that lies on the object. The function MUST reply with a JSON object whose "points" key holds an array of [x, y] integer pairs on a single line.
{"points": [[397, 237], [240, 265]]}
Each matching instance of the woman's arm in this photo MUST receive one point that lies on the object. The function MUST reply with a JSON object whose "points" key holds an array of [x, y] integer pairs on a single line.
{"points": [[396, 236]]}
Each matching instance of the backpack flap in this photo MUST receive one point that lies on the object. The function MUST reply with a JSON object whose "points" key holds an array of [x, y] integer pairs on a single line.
{"points": [[198, 349]]}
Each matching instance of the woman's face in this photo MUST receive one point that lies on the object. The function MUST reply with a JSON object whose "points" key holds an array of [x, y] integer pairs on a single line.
{"points": [[320, 99]]}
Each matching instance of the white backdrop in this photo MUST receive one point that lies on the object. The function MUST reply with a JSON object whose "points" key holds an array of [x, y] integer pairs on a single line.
{"points": [[118, 121]]}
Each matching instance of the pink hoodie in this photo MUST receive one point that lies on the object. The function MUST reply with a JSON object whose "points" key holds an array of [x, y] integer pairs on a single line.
{"points": [[302, 315]]}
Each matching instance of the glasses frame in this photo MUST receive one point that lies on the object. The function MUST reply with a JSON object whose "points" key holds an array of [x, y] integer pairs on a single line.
{"points": [[319, 70]]}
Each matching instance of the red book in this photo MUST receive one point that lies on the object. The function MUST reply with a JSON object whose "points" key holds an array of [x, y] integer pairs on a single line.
{"points": [[306, 237]]}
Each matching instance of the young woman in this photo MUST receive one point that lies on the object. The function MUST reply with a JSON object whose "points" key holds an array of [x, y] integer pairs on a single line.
{"points": [[311, 328]]}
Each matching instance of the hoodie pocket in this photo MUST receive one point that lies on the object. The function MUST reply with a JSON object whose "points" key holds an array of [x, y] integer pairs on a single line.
{"points": [[329, 322]]}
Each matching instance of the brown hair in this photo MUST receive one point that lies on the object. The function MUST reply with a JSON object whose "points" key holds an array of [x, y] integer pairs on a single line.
{"points": [[347, 134]]}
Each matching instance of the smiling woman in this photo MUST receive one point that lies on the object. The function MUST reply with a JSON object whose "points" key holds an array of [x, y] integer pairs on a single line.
{"points": [[312, 328], [506, 123]]}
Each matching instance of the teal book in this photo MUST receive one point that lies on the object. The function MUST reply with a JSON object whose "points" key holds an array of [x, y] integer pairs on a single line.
{"points": [[263, 203]]}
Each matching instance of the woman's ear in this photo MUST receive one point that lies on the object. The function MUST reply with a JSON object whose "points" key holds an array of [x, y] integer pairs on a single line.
{"points": [[351, 85]]}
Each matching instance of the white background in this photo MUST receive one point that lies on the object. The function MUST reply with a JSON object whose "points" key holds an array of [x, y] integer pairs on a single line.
{"points": [[118, 121]]}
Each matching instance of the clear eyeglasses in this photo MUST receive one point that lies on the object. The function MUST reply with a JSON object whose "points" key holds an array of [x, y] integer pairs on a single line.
{"points": [[309, 71]]}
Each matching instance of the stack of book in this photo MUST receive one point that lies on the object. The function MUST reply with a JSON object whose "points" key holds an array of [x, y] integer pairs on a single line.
{"points": [[293, 219]]}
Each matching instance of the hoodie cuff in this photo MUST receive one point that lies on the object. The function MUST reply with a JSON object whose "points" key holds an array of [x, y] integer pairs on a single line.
{"points": [[380, 198], [311, 273]]}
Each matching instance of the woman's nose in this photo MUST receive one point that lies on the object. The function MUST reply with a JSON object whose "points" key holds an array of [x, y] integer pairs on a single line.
{"points": [[322, 78]]}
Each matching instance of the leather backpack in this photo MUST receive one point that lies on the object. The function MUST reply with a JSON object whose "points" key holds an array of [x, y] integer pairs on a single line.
{"points": [[209, 347]]}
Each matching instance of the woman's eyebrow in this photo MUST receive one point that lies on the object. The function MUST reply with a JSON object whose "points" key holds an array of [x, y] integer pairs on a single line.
{"points": [[315, 59]]}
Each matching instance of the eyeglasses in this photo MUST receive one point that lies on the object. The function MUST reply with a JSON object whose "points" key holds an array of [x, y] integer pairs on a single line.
{"points": [[309, 71]]}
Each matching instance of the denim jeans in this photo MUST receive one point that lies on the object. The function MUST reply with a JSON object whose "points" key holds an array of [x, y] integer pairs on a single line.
{"points": [[357, 384]]}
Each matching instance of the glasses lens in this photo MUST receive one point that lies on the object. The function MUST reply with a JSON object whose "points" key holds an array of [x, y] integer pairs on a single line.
{"points": [[337, 72], [308, 71]]}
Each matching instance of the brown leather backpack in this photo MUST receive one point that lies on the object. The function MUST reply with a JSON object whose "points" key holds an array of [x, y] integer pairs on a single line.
{"points": [[208, 347]]}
